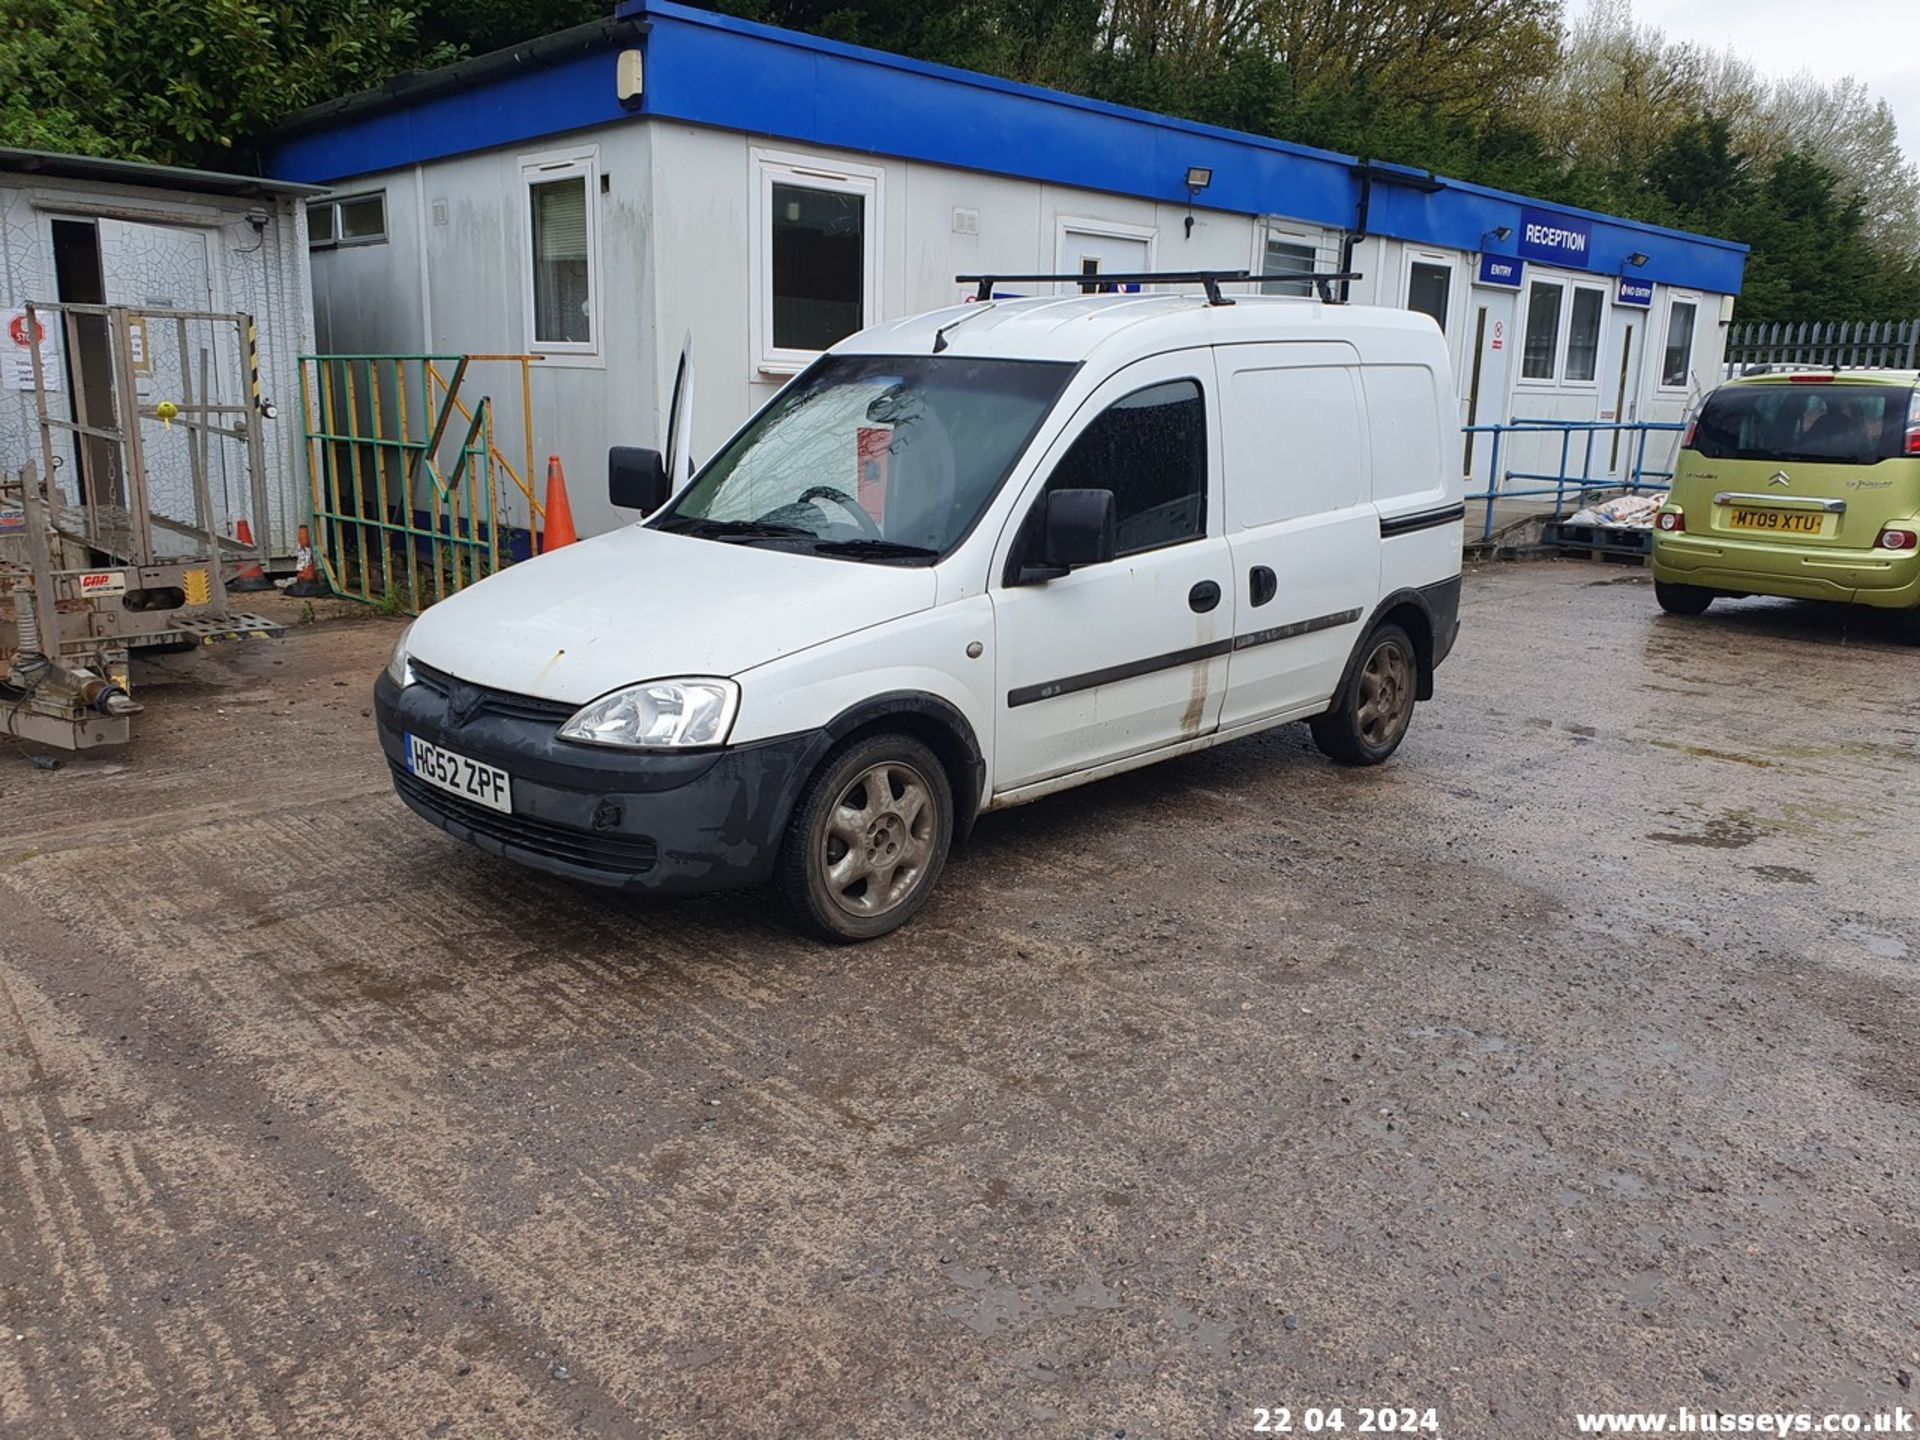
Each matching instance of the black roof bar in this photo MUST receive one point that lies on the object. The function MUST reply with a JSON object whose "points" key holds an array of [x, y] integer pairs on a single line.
{"points": [[1103, 281]]}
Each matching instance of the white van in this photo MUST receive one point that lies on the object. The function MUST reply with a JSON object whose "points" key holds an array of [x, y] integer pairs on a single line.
{"points": [[963, 561]]}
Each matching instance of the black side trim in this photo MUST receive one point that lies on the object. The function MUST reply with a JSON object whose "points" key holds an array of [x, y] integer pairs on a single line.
{"points": [[1298, 627], [1088, 679], [1420, 520]]}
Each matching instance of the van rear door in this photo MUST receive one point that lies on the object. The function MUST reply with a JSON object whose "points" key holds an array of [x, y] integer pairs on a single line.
{"points": [[1812, 459], [1304, 534]]}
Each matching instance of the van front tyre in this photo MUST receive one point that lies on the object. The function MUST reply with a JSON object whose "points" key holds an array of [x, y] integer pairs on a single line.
{"points": [[1371, 718], [868, 839], [1681, 599]]}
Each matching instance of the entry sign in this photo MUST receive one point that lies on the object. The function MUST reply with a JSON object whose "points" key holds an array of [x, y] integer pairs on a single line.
{"points": [[1500, 270], [1554, 239], [1634, 292]]}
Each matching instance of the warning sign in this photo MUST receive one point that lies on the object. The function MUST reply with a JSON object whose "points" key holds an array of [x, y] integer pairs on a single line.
{"points": [[1499, 335], [22, 336]]}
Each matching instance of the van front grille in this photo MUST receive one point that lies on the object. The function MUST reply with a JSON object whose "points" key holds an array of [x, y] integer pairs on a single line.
{"points": [[614, 853]]}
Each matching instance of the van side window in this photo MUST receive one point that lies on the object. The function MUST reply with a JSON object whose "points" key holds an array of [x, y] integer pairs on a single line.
{"points": [[1150, 449]]}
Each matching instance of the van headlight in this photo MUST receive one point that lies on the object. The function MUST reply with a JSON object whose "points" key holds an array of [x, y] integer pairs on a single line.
{"points": [[398, 669], [659, 714]]}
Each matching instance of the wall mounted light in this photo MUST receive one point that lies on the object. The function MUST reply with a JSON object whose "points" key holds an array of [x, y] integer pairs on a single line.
{"points": [[1500, 232], [1637, 259], [1199, 177]]}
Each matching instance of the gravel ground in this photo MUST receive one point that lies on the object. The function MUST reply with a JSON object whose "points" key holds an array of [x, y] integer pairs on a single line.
{"points": [[1571, 1060]]}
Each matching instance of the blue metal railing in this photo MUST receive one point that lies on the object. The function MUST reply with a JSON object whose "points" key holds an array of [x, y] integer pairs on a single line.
{"points": [[1536, 483]]}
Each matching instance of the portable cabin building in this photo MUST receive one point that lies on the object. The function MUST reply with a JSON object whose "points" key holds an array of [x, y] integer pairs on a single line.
{"points": [[159, 242], [614, 196]]}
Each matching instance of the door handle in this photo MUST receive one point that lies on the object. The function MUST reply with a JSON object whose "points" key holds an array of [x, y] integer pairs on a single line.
{"points": [[1262, 585], [1203, 597]]}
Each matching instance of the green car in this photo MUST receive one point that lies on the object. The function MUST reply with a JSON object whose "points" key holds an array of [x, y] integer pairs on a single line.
{"points": [[1800, 484]]}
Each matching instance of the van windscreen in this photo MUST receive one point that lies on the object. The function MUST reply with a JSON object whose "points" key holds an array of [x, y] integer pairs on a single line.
{"points": [[882, 458], [1836, 424]]}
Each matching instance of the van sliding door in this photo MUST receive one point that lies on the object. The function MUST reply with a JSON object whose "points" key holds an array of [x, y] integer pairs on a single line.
{"points": [[1304, 536]]}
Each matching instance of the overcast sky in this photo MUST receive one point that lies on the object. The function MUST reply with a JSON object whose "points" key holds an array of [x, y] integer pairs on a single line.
{"points": [[1876, 40]]}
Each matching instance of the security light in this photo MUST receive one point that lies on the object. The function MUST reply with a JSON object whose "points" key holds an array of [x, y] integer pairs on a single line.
{"points": [[1199, 177], [1499, 232], [1637, 259]]}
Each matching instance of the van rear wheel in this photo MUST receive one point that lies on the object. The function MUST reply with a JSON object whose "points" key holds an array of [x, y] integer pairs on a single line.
{"points": [[1681, 599], [868, 839], [1371, 718]]}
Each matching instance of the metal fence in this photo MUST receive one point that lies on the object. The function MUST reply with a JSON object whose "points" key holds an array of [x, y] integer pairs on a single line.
{"points": [[412, 499], [1536, 485], [1844, 344]]}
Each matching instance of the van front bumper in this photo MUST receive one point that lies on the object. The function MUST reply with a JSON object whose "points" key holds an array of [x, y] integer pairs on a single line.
{"points": [[1886, 578], [658, 821]]}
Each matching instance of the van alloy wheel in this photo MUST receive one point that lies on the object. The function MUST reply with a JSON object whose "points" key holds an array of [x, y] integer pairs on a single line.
{"points": [[879, 837], [1370, 715], [868, 838], [1386, 694]]}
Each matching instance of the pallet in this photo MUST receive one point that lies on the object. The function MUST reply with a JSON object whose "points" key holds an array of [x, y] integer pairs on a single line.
{"points": [[1602, 542]]}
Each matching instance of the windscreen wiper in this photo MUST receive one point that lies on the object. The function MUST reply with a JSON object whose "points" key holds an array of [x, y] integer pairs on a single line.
{"points": [[878, 549], [735, 529]]}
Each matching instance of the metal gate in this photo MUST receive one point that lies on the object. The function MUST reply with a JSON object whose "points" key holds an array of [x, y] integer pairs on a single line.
{"points": [[412, 498], [163, 458]]}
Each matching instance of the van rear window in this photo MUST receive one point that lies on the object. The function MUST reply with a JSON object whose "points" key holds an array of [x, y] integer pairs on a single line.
{"points": [[1834, 424]]}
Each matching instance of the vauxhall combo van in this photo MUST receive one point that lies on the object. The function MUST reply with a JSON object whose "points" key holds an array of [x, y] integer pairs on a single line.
{"points": [[962, 561]]}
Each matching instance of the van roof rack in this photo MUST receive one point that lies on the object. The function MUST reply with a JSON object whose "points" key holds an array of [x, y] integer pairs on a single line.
{"points": [[1098, 282]]}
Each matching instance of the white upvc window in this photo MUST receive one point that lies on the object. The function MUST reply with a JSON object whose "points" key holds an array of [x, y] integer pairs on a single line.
{"points": [[815, 249], [1676, 352], [1564, 321], [560, 240], [1286, 252], [347, 220]]}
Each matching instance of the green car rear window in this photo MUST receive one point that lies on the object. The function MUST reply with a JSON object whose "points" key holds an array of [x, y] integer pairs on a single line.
{"points": [[1833, 424]]}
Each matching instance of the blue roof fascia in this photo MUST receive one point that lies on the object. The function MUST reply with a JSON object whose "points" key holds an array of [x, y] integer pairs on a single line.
{"points": [[513, 109], [1464, 217], [708, 69]]}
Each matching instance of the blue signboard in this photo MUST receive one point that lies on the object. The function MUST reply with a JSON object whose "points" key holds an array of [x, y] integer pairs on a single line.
{"points": [[1554, 239], [1500, 270], [1634, 292]]}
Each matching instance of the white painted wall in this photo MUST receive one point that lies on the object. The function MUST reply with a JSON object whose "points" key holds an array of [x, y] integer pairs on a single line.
{"points": [[1505, 395], [676, 262]]}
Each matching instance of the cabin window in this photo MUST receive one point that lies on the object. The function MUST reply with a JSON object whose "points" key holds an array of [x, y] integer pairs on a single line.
{"points": [[562, 224], [816, 257]]}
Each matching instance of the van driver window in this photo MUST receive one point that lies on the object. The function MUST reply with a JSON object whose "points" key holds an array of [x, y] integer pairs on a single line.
{"points": [[1150, 449]]}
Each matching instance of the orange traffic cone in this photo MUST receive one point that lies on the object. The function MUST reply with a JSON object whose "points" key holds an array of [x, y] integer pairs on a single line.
{"points": [[252, 577], [307, 585], [559, 528]]}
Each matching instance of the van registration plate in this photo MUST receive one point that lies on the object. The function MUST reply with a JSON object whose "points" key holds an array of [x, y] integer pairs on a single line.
{"points": [[471, 780], [1783, 522]]}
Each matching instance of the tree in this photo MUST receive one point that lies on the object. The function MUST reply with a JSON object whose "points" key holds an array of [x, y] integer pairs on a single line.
{"points": [[1854, 135], [184, 81]]}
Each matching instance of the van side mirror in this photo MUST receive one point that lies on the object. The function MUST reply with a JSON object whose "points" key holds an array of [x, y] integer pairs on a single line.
{"points": [[1081, 529], [636, 478]]}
